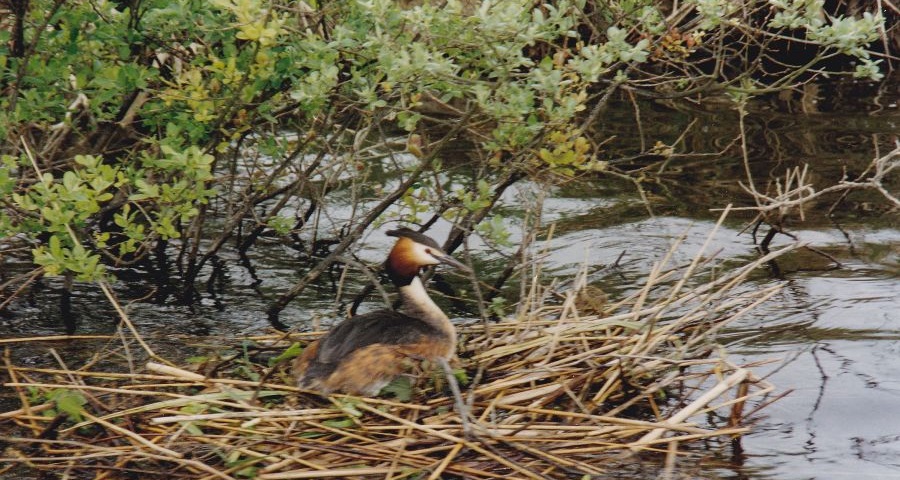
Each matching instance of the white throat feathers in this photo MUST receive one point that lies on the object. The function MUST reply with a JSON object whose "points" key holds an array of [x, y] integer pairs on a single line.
{"points": [[415, 302]]}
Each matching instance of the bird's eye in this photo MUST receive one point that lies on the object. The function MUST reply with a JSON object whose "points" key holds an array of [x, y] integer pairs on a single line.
{"points": [[428, 251]]}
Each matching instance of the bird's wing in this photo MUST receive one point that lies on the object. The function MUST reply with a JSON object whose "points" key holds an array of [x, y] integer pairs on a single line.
{"points": [[382, 327]]}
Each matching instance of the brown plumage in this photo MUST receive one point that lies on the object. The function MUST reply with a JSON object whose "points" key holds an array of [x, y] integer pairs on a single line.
{"points": [[363, 353]]}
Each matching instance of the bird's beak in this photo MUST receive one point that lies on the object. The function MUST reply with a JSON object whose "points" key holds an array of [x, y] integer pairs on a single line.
{"points": [[448, 260]]}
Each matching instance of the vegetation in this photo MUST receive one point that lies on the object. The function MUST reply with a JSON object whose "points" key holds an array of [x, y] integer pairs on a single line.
{"points": [[562, 391], [131, 126], [156, 135]]}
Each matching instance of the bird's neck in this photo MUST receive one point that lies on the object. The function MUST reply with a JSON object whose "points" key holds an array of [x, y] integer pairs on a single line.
{"points": [[415, 302]]}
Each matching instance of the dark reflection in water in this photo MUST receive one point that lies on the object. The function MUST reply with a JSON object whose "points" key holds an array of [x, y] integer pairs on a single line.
{"points": [[833, 333]]}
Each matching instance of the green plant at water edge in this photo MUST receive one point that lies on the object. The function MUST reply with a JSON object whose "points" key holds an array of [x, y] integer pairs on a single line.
{"points": [[145, 121], [68, 209]]}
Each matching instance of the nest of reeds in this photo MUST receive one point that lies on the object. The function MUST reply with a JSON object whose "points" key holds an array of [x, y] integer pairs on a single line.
{"points": [[561, 392]]}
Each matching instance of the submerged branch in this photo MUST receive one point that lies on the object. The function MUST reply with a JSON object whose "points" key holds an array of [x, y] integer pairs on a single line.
{"points": [[356, 231]]}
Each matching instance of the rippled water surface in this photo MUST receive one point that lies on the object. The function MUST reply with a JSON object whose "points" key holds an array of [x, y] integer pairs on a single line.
{"points": [[831, 333]]}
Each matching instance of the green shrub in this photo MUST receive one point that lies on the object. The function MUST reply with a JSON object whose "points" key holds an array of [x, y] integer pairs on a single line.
{"points": [[141, 113]]}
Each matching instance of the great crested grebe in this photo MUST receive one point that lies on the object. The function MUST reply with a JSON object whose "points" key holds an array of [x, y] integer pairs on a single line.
{"points": [[364, 353]]}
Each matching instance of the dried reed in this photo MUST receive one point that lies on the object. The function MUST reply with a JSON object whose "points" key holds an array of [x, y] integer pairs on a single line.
{"points": [[559, 392]]}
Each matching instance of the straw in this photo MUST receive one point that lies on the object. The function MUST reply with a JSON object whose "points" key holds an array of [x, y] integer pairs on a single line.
{"points": [[560, 389]]}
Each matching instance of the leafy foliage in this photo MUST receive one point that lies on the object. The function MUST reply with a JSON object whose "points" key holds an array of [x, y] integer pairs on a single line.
{"points": [[144, 118]]}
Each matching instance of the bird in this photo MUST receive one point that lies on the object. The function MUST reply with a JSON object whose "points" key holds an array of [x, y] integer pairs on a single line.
{"points": [[362, 354]]}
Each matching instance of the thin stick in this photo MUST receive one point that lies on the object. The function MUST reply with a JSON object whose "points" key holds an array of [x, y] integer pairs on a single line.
{"points": [[137, 438], [124, 317], [461, 407], [732, 380], [54, 338], [452, 438], [343, 473]]}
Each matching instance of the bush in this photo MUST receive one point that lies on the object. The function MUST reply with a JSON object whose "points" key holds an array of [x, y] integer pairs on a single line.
{"points": [[130, 123]]}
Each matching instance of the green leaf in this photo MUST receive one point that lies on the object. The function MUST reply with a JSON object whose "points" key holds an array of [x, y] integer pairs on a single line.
{"points": [[248, 472], [100, 184], [293, 351], [348, 406], [56, 247], [71, 181], [461, 376], [88, 161], [6, 183], [400, 387], [194, 408], [70, 402], [193, 428], [339, 423]]}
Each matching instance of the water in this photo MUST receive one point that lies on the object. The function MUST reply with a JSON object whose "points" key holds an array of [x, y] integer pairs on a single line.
{"points": [[832, 332]]}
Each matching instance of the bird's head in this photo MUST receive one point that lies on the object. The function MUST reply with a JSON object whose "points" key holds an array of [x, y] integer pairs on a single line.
{"points": [[414, 251]]}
